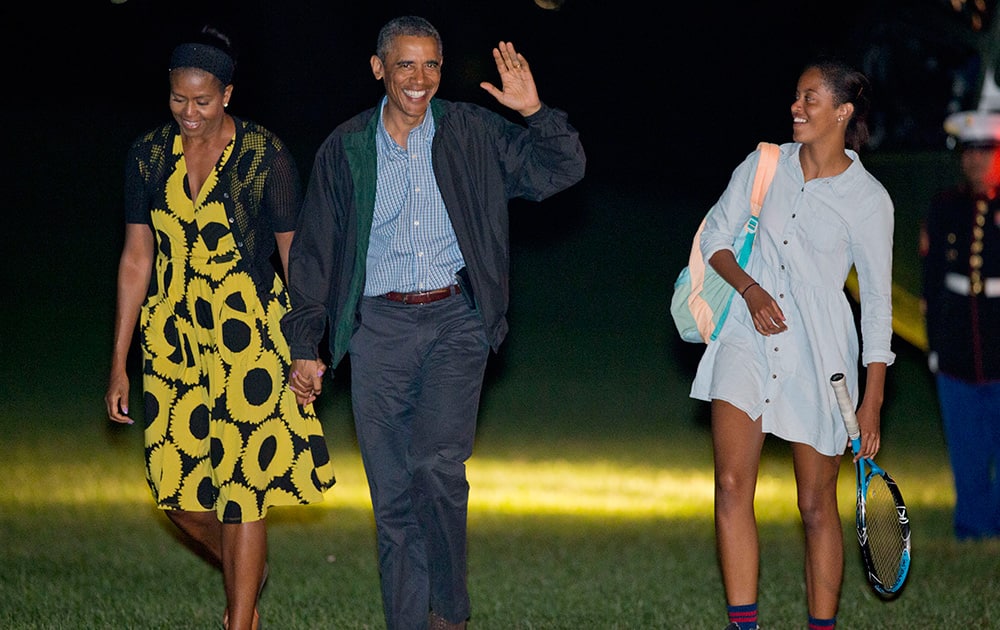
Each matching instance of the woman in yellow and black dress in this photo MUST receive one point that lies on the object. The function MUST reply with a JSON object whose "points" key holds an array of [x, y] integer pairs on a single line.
{"points": [[208, 196]]}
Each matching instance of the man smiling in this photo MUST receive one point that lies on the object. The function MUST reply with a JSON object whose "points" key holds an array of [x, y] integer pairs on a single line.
{"points": [[402, 255]]}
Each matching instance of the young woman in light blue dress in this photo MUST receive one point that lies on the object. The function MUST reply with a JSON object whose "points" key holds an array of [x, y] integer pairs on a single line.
{"points": [[768, 372]]}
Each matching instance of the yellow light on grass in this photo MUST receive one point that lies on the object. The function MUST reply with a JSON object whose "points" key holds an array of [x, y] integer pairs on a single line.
{"points": [[498, 485]]}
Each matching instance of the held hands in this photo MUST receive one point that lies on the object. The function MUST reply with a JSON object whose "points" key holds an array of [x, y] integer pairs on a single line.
{"points": [[305, 379], [768, 319], [518, 91]]}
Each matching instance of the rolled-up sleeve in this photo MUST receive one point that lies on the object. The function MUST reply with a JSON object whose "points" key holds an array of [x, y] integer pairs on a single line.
{"points": [[871, 248]]}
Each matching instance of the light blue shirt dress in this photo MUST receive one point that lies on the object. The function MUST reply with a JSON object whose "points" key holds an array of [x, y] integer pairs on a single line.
{"points": [[810, 235]]}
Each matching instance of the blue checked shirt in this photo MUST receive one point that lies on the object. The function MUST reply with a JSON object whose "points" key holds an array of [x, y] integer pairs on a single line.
{"points": [[413, 245]]}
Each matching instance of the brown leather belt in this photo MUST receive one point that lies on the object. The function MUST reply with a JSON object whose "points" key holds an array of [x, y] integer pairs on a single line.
{"points": [[423, 297]]}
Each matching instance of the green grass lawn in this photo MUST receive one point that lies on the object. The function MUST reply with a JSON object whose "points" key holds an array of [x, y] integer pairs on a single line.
{"points": [[579, 530], [591, 501]]}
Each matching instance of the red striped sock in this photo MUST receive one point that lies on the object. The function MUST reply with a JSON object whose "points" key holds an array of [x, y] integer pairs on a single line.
{"points": [[822, 624], [744, 616]]}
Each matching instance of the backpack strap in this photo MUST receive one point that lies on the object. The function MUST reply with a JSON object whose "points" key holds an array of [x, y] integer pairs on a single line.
{"points": [[766, 168]]}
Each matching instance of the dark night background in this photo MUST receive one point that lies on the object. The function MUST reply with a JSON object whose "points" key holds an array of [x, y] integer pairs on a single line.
{"points": [[668, 98], [683, 89]]}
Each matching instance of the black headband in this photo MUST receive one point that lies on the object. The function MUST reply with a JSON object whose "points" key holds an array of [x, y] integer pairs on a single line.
{"points": [[205, 57]]}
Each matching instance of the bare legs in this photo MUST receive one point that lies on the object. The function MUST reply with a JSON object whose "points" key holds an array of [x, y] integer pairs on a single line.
{"points": [[240, 550], [816, 483], [737, 443]]}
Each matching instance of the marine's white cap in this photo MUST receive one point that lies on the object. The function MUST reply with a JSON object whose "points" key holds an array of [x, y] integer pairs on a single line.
{"points": [[974, 128]]}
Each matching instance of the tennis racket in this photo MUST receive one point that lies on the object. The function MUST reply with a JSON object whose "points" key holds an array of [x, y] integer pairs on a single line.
{"points": [[882, 523]]}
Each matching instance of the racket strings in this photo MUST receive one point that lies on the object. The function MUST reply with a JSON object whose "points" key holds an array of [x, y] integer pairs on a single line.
{"points": [[886, 535]]}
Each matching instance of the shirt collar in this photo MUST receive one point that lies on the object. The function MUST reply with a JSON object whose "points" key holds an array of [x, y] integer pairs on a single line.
{"points": [[424, 132], [842, 183]]}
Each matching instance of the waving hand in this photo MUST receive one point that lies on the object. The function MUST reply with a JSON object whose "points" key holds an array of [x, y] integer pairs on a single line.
{"points": [[518, 90]]}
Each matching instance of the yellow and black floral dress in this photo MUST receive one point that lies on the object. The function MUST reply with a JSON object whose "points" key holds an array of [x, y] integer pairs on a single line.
{"points": [[222, 429]]}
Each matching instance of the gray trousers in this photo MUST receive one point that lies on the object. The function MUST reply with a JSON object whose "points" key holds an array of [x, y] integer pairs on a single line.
{"points": [[416, 378]]}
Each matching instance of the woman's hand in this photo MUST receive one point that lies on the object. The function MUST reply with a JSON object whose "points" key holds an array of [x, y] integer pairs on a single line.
{"points": [[871, 433], [767, 316], [870, 410], [116, 398]]}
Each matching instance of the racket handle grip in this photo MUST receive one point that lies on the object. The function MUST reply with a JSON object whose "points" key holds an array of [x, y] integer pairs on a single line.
{"points": [[846, 405]]}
